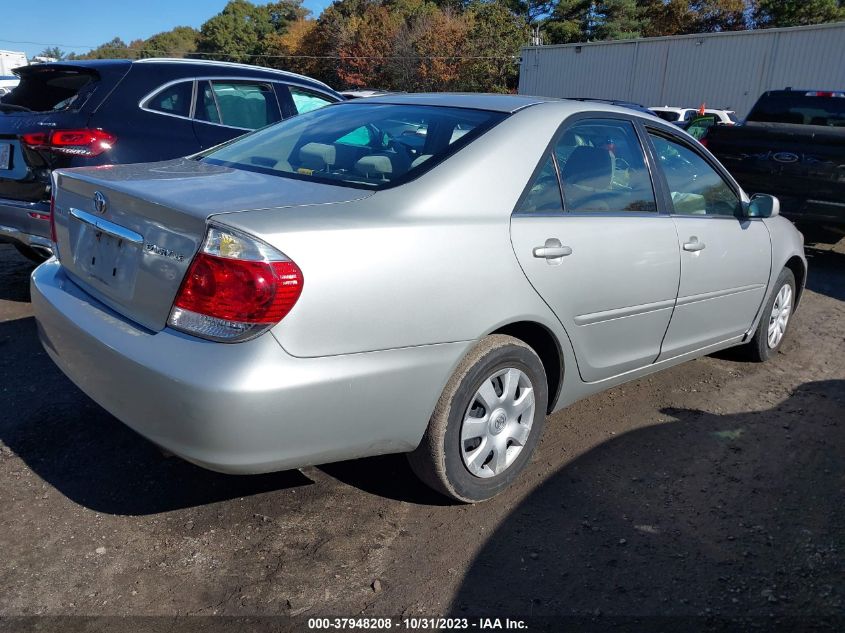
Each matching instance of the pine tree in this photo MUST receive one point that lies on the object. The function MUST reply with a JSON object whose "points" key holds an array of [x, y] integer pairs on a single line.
{"points": [[773, 13]]}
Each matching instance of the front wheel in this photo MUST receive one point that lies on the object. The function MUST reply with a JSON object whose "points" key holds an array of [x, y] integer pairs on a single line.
{"points": [[776, 315], [487, 422]]}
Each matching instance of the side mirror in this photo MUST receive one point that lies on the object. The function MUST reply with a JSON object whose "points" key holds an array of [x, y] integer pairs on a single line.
{"points": [[763, 205]]}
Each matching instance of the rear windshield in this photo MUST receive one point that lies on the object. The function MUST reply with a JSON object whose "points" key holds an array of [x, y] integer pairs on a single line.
{"points": [[801, 109], [50, 89], [357, 144]]}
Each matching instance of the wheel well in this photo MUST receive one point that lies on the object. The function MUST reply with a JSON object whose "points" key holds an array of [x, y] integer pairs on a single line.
{"points": [[797, 267], [542, 341]]}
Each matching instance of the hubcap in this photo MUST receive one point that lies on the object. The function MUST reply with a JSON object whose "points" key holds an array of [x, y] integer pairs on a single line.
{"points": [[781, 310], [497, 422]]}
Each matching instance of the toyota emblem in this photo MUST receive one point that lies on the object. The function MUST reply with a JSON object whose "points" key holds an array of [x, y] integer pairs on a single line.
{"points": [[100, 202]]}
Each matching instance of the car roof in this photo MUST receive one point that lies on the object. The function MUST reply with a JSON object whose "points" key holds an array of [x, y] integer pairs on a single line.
{"points": [[185, 63], [493, 102]]}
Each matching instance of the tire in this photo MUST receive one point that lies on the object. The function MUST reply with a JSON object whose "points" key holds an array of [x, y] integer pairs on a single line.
{"points": [[764, 344], [30, 253], [453, 461]]}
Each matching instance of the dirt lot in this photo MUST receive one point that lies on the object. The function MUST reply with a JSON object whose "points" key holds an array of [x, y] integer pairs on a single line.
{"points": [[714, 489]]}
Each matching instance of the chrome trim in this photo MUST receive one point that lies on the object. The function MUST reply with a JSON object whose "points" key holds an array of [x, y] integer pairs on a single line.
{"points": [[682, 301], [621, 313], [142, 103], [110, 228], [211, 62]]}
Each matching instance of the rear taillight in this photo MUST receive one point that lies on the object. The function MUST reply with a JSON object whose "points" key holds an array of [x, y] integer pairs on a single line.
{"points": [[85, 142], [236, 288]]}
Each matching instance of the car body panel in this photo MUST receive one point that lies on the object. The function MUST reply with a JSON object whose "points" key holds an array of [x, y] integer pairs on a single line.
{"points": [[722, 285], [620, 328]]}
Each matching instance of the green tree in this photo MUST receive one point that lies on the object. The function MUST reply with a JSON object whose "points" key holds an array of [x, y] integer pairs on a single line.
{"points": [[774, 13], [614, 20], [569, 22], [177, 42], [239, 31], [494, 41], [54, 52], [113, 49], [719, 15], [666, 17]]}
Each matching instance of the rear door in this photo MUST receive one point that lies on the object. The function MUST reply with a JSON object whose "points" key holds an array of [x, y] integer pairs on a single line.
{"points": [[227, 108], [725, 256], [602, 256]]}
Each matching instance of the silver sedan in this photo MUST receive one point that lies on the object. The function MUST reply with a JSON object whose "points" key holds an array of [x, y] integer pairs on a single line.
{"points": [[430, 274]]}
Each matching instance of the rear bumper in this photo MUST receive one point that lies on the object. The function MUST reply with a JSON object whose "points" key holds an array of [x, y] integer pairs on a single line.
{"points": [[17, 225], [239, 408]]}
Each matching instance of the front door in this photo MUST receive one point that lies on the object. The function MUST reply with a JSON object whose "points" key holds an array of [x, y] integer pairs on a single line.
{"points": [[725, 256], [603, 258]]}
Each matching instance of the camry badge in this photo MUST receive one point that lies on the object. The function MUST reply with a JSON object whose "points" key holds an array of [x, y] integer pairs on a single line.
{"points": [[100, 202]]}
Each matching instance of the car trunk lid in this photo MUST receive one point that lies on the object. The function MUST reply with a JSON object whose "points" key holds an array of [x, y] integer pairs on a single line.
{"points": [[126, 234]]}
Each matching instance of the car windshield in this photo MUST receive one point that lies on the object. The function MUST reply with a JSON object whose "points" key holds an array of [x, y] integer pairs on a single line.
{"points": [[357, 144]]}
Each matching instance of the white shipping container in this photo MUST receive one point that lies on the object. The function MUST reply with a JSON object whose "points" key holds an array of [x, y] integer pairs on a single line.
{"points": [[10, 60], [724, 70]]}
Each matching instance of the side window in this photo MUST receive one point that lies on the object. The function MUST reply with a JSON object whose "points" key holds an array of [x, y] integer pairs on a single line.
{"points": [[602, 168], [206, 109], [175, 99], [543, 196], [245, 105], [305, 101], [696, 188]]}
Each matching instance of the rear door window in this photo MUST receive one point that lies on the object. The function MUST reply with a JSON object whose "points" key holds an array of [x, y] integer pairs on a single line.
{"points": [[240, 104], [305, 100], [175, 99], [602, 168], [49, 89]]}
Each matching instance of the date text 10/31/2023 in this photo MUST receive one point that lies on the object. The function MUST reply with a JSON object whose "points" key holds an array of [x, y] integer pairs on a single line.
{"points": [[416, 624]]}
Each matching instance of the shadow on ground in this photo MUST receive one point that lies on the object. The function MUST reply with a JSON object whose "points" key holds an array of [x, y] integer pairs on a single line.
{"points": [[89, 456], [709, 515], [825, 272]]}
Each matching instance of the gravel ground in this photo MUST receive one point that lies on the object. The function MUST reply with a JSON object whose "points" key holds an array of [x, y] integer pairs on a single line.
{"points": [[711, 490]]}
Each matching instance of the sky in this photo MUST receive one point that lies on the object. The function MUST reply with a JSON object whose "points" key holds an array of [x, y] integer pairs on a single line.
{"points": [[83, 24]]}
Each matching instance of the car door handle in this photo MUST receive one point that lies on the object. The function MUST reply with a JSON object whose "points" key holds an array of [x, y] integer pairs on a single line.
{"points": [[552, 249], [694, 245]]}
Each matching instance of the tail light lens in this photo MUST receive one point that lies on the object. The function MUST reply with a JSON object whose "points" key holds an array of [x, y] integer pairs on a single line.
{"points": [[83, 142], [236, 288]]}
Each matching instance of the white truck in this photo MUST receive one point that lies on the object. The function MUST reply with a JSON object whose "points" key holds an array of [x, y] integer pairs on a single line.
{"points": [[10, 60]]}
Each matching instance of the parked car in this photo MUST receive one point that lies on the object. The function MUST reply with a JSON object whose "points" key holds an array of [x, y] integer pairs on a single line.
{"points": [[682, 117], [364, 93], [792, 144], [7, 84], [76, 114], [323, 289]]}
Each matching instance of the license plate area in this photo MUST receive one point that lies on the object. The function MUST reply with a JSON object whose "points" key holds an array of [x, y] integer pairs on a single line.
{"points": [[5, 156], [105, 260]]}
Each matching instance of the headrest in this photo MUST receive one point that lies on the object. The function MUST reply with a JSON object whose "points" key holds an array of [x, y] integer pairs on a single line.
{"points": [[317, 156], [590, 167], [376, 165]]}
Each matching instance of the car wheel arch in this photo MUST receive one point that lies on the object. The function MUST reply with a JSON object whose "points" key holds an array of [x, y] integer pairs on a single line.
{"points": [[547, 346], [799, 269]]}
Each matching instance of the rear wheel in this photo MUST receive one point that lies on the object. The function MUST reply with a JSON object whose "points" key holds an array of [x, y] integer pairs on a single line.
{"points": [[776, 315], [487, 422]]}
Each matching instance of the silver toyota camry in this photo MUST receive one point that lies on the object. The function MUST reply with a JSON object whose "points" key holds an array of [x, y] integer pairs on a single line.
{"points": [[430, 274]]}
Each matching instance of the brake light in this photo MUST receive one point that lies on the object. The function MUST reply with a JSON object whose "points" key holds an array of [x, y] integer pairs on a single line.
{"points": [[236, 288], [825, 93], [82, 142]]}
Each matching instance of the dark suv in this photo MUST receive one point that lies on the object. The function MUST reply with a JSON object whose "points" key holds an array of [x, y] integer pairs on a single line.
{"points": [[98, 112]]}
